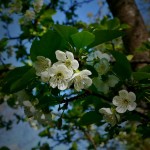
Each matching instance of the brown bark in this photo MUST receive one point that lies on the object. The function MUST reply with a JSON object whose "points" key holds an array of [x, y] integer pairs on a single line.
{"points": [[127, 12]]}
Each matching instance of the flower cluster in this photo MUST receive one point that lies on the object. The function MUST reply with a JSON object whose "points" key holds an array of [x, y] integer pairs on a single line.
{"points": [[15, 6], [63, 73], [104, 86], [30, 14], [37, 4], [125, 101], [101, 62]]}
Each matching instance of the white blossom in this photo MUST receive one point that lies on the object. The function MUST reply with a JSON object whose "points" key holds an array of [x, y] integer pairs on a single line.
{"points": [[59, 76], [41, 65], [32, 109], [97, 55], [101, 55], [27, 103], [15, 6], [67, 59], [37, 4], [112, 80], [104, 86], [102, 67], [109, 116], [29, 16], [45, 75], [125, 101], [81, 80]]}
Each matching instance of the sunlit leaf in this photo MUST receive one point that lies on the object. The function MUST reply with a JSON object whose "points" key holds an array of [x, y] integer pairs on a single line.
{"points": [[102, 36], [82, 39]]}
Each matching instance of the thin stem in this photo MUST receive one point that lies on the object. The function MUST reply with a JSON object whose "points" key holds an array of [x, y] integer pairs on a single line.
{"points": [[89, 137]]}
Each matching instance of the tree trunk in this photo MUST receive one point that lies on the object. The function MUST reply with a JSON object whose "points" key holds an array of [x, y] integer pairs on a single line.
{"points": [[127, 12]]}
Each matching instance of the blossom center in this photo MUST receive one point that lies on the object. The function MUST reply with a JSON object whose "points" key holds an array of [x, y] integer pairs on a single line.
{"points": [[125, 101], [68, 63], [59, 75]]}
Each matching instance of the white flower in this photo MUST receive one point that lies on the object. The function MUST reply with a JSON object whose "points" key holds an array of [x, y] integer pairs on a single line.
{"points": [[81, 80], [102, 67], [109, 116], [100, 55], [59, 76], [29, 15], [30, 106], [125, 101], [41, 65], [45, 75], [104, 86], [112, 80], [15, 6], [67, 58], [37, 4], [97, 55], [27, 103]]}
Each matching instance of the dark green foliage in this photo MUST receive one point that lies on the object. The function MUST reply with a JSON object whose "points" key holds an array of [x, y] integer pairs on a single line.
{"points": [[90, 118], [122, 67], [47, 45], [18, 79]]}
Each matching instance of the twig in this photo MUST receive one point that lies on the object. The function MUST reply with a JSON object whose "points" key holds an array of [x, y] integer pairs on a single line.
{"points": [[90, 139]]}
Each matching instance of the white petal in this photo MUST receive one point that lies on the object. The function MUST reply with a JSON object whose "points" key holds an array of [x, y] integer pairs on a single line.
{"points": [[52, 71], [43, 116], [62, 85], [67, 73], [98, 54], [123, 94], [75, 64], [112, 80], [86, 72], [100, 85], [117, 101], [106, 56], [60, 55], [45, 76], [102, 67], [121, 109], [132, 96], [131, 106], [58, 63], [106, 111], [87, 82], [69, 55], [53, 82], [78, 86], [27, 103], [32, 109]]}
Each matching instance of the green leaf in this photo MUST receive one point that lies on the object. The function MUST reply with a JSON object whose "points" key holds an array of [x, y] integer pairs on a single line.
{"points": [[23, 81], [102, 36], [4, 148], [122, 66], [144, 130], [13, 76], [45, 133], [47, 45], [113, 24], [82, 39], [141, 75], [65, 31], [90, 118], [144, 69]]}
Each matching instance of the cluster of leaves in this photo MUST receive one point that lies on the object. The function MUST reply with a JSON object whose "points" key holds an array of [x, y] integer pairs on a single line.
{"points": [[77, 112]]}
